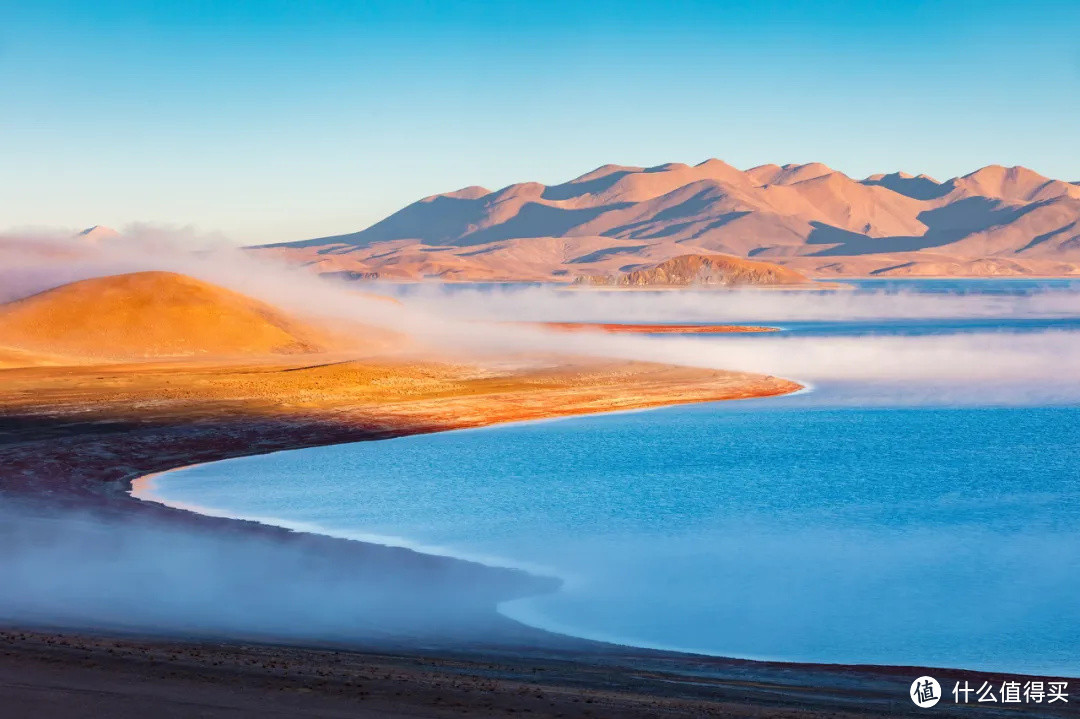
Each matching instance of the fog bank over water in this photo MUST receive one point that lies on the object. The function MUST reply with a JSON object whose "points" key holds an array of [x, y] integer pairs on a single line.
{"points": [[895, 348], [976, 342], [915, 299], [981, 368], [81, 569]]}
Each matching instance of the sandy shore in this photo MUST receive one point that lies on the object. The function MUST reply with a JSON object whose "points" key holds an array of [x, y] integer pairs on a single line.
{"points": [[87, 431], [664, 329], [76, 437], [811, 285]]}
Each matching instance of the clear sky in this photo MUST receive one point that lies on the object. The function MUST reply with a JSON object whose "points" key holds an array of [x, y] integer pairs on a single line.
{"points": [[280, 119]]}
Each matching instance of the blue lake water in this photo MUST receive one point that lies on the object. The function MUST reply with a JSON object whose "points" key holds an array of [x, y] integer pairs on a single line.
{"points": [[919, 328], [932, 285], [798, 528], [965, 286]]}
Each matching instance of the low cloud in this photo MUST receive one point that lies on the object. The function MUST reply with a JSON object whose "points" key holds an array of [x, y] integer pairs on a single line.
{"points": [[979, 367], [735, 306], [71, 569]]}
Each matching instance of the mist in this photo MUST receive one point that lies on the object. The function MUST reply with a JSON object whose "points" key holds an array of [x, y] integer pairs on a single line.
{"points": [[38, 262], [986, 367], [968, 368], [752, 305], [476, 323], [81, 569]]}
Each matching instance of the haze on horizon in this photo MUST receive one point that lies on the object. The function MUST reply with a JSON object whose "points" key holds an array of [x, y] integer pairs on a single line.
{"points": [[277, 121]]}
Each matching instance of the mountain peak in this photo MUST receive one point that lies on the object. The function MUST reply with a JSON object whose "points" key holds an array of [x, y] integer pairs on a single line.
{"points": [[1016, 183], [788, 174], [917, 187], [97, 233], [472, 192], [604, 171], [712, 163], [1015, 172], [668, 167]]}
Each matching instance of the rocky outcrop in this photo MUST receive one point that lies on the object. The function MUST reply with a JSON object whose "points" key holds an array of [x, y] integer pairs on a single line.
{"points": [[700, 270]]}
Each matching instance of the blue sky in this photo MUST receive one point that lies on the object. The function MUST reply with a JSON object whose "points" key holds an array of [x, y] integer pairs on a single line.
{"points": [[270, 121]]}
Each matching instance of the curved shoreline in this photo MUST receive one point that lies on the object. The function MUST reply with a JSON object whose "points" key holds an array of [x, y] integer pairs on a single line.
{"points": [[66, 455], [534, 619], [139, 488], [652, 328], [66, 431], [142, 488]]}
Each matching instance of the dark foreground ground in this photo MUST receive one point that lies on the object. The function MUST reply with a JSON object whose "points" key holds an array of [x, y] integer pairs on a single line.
{"points": [[69, 675]]}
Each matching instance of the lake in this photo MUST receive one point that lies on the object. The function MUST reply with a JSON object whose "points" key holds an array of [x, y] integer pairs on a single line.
{"points": [[813, 527]]}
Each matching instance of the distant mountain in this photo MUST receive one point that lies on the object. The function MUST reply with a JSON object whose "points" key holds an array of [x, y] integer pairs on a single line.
{"points": [[701, 270], [97, 234], [809, 217]]}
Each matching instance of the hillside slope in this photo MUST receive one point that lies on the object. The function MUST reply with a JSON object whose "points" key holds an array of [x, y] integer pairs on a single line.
{"points": [[150, 314]]}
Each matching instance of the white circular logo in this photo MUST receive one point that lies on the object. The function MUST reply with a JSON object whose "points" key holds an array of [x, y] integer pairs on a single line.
{"points": [[925, 692]]}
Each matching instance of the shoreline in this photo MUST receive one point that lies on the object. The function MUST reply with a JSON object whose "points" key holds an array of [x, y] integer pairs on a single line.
{"points": [[143, 489], [62, 452], [60, 456], [814, 285], [650, 328]]}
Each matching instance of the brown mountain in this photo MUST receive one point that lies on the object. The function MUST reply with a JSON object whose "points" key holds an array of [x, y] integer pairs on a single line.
{"points": [[701, 270], [149, 314], [809, 217]]}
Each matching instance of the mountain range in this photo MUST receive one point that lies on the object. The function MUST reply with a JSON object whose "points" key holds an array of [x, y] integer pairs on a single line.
{"points": [[811, 218]]}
